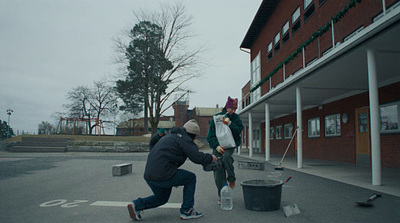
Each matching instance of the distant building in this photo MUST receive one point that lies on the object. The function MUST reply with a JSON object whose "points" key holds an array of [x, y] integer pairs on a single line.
{"points": [[203, 115], [135, 127]]}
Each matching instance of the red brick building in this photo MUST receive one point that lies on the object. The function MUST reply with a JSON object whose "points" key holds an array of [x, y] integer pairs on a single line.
{"points": [[202, 115], [328, 69], [182, 114]]}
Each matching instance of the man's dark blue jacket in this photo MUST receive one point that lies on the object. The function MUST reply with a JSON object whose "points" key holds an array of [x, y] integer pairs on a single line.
{"points": [[170, 153]]}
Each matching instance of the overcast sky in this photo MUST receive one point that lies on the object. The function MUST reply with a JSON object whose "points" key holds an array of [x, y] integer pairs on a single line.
{"points": [[48, 47]]}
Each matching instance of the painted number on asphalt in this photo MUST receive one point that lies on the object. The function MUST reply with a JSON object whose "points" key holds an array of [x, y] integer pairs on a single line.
{"points": [[63, 203]]}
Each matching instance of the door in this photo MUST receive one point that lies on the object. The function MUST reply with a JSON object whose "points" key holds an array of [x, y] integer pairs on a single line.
{"points": [[363, 145]]}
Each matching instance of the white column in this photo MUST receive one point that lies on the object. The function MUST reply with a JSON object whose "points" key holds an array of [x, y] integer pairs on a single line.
{"points": [[284, 72], [333, 35], [375, 119], [384, 7], [240, 146], [267, 133], [250, 135], [299, 128]]}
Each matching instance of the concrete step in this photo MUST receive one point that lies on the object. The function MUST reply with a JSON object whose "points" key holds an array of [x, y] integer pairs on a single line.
{"points": [[44, 139], [36, 149], [40, 144]]}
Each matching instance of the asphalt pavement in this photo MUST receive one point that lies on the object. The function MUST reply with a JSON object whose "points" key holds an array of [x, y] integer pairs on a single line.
{"points": [[79, 187]]}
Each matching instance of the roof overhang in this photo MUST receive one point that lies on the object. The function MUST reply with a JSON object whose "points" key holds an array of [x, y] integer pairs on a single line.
{"points": [[260, 19]]}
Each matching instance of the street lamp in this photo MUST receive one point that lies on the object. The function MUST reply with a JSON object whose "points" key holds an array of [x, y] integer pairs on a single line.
{"points": [[9, 114]]}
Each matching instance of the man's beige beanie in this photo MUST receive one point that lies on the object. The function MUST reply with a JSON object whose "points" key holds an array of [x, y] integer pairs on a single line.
{"points": [[192, 127]]}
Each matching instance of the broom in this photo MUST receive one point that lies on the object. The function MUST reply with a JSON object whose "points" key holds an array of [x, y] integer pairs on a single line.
{"points": [[279, 167]]}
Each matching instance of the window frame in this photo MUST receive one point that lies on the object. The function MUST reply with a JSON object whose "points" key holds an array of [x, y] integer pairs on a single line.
{"points": [[296, 22], [309, 11], [389, 131], [271, 133], [289, 127], [297, 11], [337, 129], [285, 33], [256, 76], [278, 132], [308, 2], [269, 47], [316, 122], [269, 51]]}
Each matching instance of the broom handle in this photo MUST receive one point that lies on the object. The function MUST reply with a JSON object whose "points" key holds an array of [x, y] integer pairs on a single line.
{"points": [[288, 146]]}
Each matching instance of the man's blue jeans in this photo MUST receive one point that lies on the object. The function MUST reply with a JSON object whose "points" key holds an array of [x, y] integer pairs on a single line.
{"points": [[162, 191]]}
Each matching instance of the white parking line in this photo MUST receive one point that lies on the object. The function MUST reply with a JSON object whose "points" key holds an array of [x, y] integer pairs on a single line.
{"points": [[124, 204]]}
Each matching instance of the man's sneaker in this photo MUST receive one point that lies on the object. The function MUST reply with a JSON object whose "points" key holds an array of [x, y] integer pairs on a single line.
{"points": [[135, 215], [219, 202], [190, 214]]}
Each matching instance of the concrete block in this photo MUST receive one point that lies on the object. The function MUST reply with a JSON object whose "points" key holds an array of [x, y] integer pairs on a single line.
{"points": [[122, 169], [291, 210], [251, 165]]}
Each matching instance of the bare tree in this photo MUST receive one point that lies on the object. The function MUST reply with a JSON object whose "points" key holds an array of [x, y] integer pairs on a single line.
{"points": [[175, 45], [92, 103]]}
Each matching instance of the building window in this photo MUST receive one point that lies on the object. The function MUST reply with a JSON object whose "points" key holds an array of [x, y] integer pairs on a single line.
{"points": [[285, 33], [288, 130], [277, 44], [321, 2], [296, 21], [332, 125], [285, 28], [313, 128], [269, 47], [277, 38], [296, 15], [390, 118], [309, 11], [256, 76], [269, 56], [271, 132], [306, 3], [278, 132], [269, 50]]}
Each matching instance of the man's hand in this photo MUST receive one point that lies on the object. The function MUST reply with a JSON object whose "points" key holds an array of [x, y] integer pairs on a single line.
{"points": [[214, 158], [220, 149]]}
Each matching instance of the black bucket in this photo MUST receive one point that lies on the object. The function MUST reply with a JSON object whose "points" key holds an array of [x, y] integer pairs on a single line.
{"points": [[262, 195]]}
